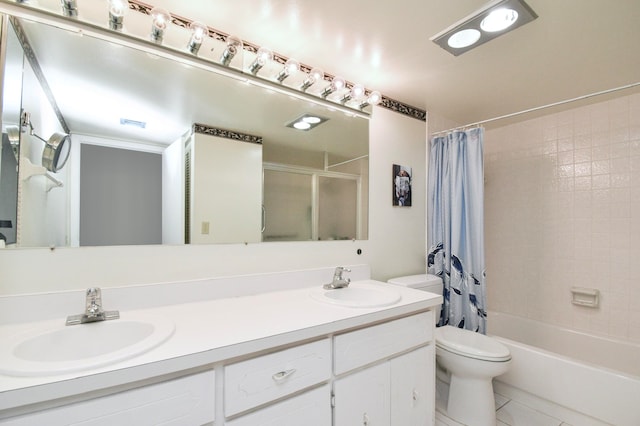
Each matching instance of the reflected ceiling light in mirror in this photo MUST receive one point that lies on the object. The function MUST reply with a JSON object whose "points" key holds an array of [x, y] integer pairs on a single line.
{"points": [[315, 75], [160, 18], [291, 67], [234, 45], [306, 122], [337, 83], [356, 92], [198, 32], [263, 55], [69, 8], [117, 10], [374, 98], [494, 19]]}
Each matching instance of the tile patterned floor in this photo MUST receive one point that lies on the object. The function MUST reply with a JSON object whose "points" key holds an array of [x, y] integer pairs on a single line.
{"points": [[508, 412]]}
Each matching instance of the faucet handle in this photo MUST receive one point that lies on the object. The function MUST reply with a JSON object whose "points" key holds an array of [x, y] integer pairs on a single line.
{"points": [[339, 271]]}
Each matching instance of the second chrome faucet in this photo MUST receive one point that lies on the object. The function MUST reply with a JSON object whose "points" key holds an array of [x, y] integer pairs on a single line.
{"points": [[338, 280]]}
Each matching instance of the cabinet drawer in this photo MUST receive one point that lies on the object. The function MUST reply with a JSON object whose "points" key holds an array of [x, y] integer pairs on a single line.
{"points": [[263, 379], [370, 344], [187, 400], [312, 408]]}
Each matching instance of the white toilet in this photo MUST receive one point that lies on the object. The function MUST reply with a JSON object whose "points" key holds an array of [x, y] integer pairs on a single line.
{"points": [[470, 359]]}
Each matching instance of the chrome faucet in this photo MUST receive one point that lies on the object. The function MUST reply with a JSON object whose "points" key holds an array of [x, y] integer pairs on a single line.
{"points": [[93, 309], [338, 280]]}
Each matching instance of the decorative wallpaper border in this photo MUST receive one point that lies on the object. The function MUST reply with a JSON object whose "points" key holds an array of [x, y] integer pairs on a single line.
{"points": [[33, 61], [180, 21], [227, 134]]}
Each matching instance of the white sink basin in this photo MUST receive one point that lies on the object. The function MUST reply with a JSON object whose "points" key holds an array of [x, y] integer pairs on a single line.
{"points": [[61, 349], [359, 294]]}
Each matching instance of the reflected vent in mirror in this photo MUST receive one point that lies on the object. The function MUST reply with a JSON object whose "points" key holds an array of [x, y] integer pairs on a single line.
{"points": [[306, 122]]}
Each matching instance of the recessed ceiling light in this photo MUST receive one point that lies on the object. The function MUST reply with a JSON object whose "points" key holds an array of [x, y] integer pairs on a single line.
{"points": [[302, 125], [311, 119], [464, 38], [499, 20], [494, 19]]}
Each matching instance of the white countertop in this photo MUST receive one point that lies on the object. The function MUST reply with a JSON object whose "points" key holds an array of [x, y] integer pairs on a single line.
{"points": [[208, 332]]}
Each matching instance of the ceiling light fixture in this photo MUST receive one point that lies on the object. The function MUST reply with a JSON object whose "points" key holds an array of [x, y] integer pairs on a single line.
{"points": [[356, 92], [234, 44], [315, 75], [263, 56], [291, 67], [306, 122], [494, 19], [374, 98], [337, 83], [117, 9], [160, 20], [198, 32]]}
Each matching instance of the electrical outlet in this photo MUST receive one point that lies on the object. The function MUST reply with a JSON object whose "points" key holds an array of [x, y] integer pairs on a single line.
{"points": [[205, 228]]}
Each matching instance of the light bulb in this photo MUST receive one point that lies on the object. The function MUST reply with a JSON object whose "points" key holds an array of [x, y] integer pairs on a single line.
{"points": [[374, 99], [263, 56], [356, 92], [234, 44], [315, 75], [198, 32], [498, 20], [290, 67], [337, 83], [160, 21], [117, 10]]}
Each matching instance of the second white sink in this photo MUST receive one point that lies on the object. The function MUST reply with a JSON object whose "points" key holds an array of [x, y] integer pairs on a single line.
{"points": [[63, 349], [359, 294]]}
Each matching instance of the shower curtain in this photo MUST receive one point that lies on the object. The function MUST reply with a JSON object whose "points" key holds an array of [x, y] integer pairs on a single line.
{"points": [[456, 228]]}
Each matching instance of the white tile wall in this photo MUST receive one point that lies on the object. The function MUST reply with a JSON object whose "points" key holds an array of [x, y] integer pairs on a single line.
{"points": [[562, 209]]}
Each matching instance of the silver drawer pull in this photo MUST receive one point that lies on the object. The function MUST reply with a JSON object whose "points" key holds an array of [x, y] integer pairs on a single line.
{"points": [[283, 375]]}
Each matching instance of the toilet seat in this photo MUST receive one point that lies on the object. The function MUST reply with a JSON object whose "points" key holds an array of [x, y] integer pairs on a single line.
{"points": [[470, 344]]}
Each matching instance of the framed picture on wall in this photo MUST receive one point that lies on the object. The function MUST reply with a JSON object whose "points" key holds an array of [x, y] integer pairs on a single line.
{"points": [[401, 186]]}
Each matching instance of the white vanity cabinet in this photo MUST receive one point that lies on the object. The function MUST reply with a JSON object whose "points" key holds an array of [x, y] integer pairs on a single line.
{"points": [[368, 369], [386, 374]]}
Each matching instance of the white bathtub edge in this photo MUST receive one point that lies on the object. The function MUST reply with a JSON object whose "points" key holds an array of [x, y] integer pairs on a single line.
{"points": [[578, 387]]}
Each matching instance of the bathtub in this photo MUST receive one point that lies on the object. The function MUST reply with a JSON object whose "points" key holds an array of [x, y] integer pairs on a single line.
{"points": [[583, 379]]}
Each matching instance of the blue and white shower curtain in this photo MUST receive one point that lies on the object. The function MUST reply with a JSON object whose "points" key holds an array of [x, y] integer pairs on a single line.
{"points": [[456, 228]]}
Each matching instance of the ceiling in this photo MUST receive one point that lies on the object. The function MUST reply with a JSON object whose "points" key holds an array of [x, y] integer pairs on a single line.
{"points": [[574, 48]]}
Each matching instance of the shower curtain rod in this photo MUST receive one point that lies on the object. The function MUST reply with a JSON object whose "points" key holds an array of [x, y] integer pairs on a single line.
{"points": [[514, 114]]}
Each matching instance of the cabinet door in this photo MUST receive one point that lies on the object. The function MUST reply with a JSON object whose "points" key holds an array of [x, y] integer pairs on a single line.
{"points": [[363, 398], [412, 388]]}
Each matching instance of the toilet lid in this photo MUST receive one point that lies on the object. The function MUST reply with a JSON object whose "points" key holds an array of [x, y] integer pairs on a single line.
{"points": [[473, 345]]}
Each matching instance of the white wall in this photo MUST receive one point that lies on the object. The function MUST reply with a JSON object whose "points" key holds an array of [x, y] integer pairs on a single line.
{"points": [[562, 209], [396, 244]]}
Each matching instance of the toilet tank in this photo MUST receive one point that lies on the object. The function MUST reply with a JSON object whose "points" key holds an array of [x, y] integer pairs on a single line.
{"points": [[423, 282]]}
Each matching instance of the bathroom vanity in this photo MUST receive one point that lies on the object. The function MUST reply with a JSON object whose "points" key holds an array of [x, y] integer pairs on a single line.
{"points": [[243, 357]]}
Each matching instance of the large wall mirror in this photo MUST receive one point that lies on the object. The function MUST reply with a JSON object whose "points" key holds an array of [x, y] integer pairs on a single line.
{"points": [[166, 153]]}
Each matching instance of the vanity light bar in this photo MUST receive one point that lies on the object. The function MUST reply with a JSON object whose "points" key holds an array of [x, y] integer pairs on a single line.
{"points": [[167, 52]]}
